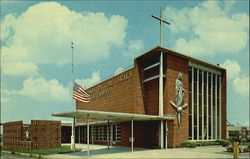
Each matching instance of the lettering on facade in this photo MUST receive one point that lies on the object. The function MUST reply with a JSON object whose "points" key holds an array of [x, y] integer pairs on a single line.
{"points": [[102, 89]]}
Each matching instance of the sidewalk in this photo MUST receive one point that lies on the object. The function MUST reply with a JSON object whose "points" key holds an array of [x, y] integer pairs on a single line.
{"points": [[101, 151]]}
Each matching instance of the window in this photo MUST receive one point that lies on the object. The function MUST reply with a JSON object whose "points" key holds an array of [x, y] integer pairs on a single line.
{"points": [[204, 104], [101, 132]]}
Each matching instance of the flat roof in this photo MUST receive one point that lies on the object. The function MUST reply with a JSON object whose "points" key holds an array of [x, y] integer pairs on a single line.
{"points": [[114, 116], [159, 48]]}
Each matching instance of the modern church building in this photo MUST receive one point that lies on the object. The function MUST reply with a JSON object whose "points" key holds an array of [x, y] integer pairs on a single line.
{"points": [[164, 99]]}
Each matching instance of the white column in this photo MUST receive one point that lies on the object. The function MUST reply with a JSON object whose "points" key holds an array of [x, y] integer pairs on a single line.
{"points": [[212, 129], [192, 103], [216, 107], [92, 134], [161, 101], [111, 134], [207, 107], [161, 86], [88, 134], [166, 133], [220, 106], [73, 135], [198, 105], [132, 134], [162, 134], [108, 134], [202, 105]]}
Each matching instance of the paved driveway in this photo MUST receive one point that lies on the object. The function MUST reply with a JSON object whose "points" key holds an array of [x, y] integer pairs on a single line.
{"points": [[100, 151]]}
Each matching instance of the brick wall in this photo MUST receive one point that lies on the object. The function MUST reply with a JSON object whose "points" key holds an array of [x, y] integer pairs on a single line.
{"points": [[121, 93], [12, 134], [174, 66], [223, 105], [43, 134], [120, 90], [127, 93]]}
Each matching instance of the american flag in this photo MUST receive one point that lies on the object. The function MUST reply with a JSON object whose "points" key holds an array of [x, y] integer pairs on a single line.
{"points": [[80, 94]]}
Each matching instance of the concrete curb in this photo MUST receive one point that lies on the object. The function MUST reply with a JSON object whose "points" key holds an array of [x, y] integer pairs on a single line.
{"points": [[23, 154]]}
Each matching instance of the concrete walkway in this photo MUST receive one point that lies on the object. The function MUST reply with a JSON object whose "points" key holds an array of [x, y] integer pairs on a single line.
{"points": [[101, 151]]}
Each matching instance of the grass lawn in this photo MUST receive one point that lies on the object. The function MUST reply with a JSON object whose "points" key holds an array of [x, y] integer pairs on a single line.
{"points": [[63, 149]]}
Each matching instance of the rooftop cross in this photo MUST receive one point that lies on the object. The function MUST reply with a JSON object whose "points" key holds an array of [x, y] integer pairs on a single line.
{"points": [[161, 28]]}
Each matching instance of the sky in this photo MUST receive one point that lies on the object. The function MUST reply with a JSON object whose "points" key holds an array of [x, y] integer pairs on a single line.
{"points": [[36, 50]]}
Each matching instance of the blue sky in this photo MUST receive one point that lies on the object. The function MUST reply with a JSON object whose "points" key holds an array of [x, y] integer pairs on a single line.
{"points": [[107, 35]]}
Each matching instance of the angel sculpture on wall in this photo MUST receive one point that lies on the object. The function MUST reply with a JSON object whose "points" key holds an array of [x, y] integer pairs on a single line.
{"points": [[179, 96]]}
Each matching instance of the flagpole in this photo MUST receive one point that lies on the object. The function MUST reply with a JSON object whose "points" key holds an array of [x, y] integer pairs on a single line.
{"points": [[72, 76]]}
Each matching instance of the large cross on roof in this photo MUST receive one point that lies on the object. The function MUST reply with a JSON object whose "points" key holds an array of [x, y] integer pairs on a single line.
{"points": [[161, 23]]}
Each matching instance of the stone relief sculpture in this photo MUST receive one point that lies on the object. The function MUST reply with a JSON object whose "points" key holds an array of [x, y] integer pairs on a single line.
{"points": [[179, 96]]}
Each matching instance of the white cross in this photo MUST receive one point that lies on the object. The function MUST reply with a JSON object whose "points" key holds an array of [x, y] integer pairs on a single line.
{"points": [[161, 28]]}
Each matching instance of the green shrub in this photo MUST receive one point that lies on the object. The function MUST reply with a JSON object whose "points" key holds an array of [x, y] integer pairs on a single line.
{"points": [[190, 144], [224, 143]]}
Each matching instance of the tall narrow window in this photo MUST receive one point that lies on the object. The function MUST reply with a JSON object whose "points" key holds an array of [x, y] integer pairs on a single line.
{"points": [[190, 106], [204, 105]]}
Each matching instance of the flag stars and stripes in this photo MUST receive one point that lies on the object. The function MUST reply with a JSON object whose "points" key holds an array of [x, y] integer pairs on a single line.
{"points": [[80, 94]]}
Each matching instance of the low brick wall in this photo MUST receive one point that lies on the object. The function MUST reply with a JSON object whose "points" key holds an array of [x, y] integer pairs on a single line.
{"points": [[43, 134]]}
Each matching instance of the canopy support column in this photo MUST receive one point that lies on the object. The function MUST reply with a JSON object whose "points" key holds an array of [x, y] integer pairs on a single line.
{"points": [[79, 134], [88, 134], [108, 134], [73, 135], [132, 134], [111, 134], [166, 138]]}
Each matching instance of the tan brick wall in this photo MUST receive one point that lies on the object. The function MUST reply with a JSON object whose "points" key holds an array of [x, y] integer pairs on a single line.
{"points": [[132, 96], [44, 134], [174, 66], [223, 105], [121, 93]]}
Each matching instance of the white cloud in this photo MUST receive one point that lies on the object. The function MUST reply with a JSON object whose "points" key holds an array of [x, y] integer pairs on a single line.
{"points": [[118, 70], [88, 82], [134, 47], [4, 99], [42, 34], [241, 86], [233, 68], [214, 30], [20, 68], [246, 123], [45, 90]]}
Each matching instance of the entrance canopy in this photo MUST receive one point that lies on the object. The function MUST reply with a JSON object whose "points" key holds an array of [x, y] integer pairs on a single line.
{"points": [[111, 116], [114, 116]]}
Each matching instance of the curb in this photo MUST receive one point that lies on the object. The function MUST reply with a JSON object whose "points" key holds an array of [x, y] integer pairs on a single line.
{"points": [[23, 154]]}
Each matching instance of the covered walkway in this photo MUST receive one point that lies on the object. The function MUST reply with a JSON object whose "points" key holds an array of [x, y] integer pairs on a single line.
{"points": [[111, 117]]}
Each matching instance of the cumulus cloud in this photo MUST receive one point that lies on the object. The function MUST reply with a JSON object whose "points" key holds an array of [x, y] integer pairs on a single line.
{"points": [[214, 30], [134, 47], [246, 123], [241, 86], [88, 82], [4, 99], [42, 34], [20, 68], [233, 68], [45, 90], [118, 70]]}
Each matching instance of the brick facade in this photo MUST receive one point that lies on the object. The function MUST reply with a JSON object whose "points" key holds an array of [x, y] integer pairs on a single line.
{"points": [[43, 134], [174, 66], [126, 92]]}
